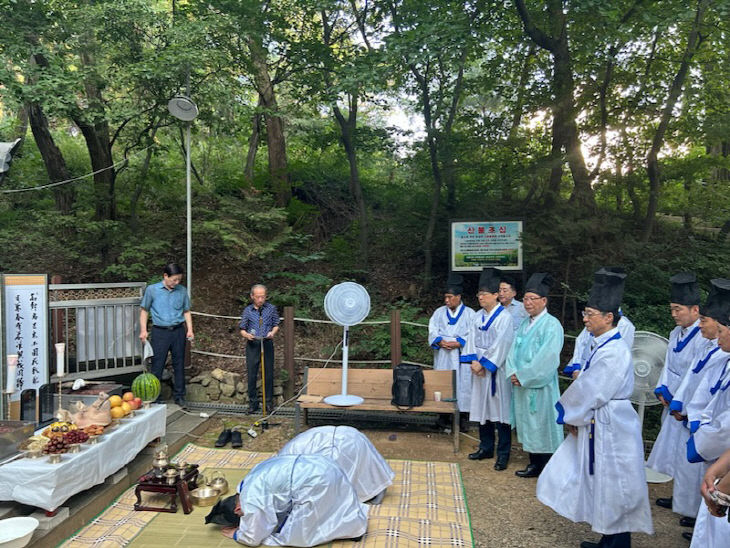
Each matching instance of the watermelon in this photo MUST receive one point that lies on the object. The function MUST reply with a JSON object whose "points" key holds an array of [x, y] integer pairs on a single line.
{"points": [[146, 386]]}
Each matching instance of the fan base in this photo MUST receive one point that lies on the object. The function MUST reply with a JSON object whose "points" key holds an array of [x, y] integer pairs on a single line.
{"points": [[343, 400]]}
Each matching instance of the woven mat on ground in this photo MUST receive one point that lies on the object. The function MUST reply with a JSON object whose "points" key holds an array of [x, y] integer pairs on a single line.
{"points": [[425, 506]]}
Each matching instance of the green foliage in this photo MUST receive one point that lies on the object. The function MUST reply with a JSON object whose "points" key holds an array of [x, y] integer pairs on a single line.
{"points": [[305, 292]]}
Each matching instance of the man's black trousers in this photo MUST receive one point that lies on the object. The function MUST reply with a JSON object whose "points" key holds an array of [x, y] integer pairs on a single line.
{"points": [[253, 364], [166, 340]]}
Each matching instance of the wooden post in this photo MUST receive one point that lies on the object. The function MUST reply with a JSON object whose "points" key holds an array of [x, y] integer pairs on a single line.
{"points": [[289, 351], [395, 339]]}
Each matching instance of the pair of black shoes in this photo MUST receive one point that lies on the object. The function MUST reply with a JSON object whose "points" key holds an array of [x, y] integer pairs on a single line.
{"points": [[228, 435], [481, 454]]}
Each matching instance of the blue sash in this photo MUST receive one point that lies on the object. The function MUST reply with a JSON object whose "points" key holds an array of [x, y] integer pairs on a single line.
{"points": [[455, 319], [681, 344]]}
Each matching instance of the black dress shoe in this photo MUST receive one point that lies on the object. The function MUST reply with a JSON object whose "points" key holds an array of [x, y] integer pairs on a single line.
{"points": [[686, 521], [236, 441], [223, 438], [481, 454], [181, 403], [664, 502], [252, 410], [532, 471], [500, 465], [589, 544], [687, 536]]}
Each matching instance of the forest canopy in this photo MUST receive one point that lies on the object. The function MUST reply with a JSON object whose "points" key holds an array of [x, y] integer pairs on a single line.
{"points": [[342, 135]]}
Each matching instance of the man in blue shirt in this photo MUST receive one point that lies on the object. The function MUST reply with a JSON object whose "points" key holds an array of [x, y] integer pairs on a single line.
{"points": [[259, 323], [168, 304]]}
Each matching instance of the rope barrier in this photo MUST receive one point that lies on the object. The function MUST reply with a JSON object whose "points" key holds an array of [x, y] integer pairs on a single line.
{"points": [[74, 179]]}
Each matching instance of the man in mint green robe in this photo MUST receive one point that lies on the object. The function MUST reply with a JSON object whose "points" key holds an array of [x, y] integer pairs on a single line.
{"points": [[532, 366]]}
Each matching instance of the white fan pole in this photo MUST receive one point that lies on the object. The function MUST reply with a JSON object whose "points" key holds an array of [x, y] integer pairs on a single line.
{"points": [[344, 399]]}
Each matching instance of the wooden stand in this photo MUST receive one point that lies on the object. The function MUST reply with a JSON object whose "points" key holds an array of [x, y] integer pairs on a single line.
{"points": [[149, 483]]}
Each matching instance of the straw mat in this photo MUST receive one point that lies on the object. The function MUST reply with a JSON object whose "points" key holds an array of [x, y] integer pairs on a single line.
{"points": [[425, 506]]}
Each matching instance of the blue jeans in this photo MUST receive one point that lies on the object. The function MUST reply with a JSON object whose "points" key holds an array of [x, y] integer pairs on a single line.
{"points": [[166, 340]]}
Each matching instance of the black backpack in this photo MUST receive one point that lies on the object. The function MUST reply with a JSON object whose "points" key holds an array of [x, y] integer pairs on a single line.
{"points": [[407, 386]]}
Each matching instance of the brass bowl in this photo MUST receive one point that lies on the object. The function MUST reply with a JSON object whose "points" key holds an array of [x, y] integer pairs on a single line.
{"points": [[204, 496]]}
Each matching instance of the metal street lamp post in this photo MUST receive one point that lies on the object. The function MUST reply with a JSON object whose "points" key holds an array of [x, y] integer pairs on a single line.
{"points": [[183, 108]]}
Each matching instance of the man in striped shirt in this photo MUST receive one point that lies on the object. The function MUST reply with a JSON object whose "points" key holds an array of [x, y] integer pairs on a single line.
{"points": [[259, 324]]}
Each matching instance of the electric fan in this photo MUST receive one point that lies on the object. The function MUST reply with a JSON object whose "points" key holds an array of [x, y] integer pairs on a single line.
{"points": [[648, 355], [346, 304]]}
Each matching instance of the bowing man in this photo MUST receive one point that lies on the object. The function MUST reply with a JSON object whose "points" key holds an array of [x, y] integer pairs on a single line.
{"points": [[597, 475], [486, 351], [532, 367], [448, 330], [707, 365], [685, 343], [585, 341], [292, 500], [364, 466]]}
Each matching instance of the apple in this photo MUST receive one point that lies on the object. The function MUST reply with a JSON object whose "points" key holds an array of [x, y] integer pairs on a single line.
{"points": [[128, 396], [138, 402]]}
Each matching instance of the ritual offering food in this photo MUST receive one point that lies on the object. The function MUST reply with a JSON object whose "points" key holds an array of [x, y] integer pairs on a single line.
{"points": [[76, 436], [146, 387], [94, 429], [98, 412], [58, 429], [34, 443], [56, 445]]}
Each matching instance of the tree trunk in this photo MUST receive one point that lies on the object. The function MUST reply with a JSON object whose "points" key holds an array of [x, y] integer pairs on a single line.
{"points": [[565, 127], [20, 127], [652, 160], [348, 127], [100, 153], [275, 140], [63, 195], [253, 144]]}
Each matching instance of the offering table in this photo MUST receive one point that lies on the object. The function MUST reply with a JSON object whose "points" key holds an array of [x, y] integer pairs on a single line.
{"points": [[39, 483]]}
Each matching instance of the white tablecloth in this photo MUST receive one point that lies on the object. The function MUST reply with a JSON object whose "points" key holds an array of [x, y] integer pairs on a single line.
{"points": [[38, 483]]}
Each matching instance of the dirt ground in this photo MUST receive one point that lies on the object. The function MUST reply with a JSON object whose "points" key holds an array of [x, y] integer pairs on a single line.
{"points": [[503, 508]]}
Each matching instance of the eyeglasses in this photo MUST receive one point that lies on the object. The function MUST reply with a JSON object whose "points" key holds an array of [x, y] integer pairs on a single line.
{"points": [[530, 299], [590, 314]]}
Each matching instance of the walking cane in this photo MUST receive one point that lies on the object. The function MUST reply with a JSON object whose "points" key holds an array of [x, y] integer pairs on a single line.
{"points": [[263, 370]]}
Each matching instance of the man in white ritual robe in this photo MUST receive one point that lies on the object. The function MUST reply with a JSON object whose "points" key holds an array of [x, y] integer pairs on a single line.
{"points": [[532, 367], [448, 330], [709, 421], [685, 343], [297, 500], [712, 529], [597, 474], [353, 452], [585, 343], [507, 294], [486, 351], [708, 364]]}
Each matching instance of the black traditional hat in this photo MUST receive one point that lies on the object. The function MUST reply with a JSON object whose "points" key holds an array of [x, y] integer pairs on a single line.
{"points": [[224, 512], [607, 290], [489, 280], [455, 284], [539, 283], [685, 289], [717, 305]]}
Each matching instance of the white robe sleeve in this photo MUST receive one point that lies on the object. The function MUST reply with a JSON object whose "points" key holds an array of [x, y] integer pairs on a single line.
{"points": [[434, 329], [711, 440], [496, 355], [256, 524], [596, 386], [627, 330], [581, 344]]}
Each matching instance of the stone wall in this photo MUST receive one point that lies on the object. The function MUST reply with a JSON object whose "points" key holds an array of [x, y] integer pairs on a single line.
{"points": [[225, 387]]}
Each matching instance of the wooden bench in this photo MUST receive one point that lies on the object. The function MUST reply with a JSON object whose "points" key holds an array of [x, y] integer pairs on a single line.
{"points": [[374, 385]]}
